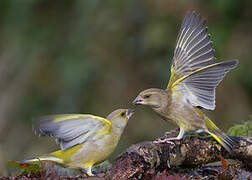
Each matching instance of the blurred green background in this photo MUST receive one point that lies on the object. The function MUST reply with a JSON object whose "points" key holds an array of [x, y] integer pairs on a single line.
{"points": [[94, 56]]}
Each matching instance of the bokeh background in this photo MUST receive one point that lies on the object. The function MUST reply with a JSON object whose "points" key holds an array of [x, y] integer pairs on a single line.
{"points": [[94, 56]]}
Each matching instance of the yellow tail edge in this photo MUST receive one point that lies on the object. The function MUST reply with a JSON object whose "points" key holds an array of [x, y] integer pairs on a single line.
{"points": [[219, 136]]}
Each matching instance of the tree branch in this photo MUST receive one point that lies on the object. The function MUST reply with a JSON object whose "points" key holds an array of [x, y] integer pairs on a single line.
{"points": [[142, 160]]}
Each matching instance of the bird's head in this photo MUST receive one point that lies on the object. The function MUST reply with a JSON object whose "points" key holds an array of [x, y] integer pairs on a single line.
{"points": [[120, 117], [151, 97]]}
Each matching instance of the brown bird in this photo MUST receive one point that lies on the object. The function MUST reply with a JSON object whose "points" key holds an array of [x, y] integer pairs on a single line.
{"points": [[194, 77]]}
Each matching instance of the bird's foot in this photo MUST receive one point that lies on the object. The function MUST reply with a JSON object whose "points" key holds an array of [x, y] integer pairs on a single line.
{"points": [[168, 140]]}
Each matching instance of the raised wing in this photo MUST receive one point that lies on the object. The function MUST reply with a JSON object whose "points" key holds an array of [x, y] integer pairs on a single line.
{"points": [[71, 129], [194, 69], [193, 48], [199, 86]]}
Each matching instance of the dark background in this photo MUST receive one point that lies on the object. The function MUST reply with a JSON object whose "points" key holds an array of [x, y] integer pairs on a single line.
{"points": [[94, 56]]}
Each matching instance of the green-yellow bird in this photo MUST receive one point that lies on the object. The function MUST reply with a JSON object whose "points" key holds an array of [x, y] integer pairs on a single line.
{"points": [[194, 77], [85, 140]]}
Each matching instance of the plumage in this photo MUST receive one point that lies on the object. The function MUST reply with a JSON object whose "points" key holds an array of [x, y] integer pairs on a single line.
{"points": [[194, 48], [84, 139], [199, 85], [72, 130], [194, 76]]}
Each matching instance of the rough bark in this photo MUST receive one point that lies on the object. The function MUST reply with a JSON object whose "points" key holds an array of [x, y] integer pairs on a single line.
{"points": [[143, 160]]}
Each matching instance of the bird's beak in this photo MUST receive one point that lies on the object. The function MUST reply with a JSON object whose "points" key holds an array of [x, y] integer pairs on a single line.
{"points": [[138, 101], [129, 113]]}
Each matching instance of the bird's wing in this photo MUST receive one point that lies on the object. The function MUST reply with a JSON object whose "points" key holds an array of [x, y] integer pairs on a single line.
{"points": [[71, 129], [198, 87], [193, 48], [194, 70]]}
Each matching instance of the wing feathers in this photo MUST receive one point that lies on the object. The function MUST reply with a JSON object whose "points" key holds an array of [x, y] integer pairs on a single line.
{"points": [[194, 48], [192, 38], [194, 69], [70, 129], [199, 86], [197, 37]]}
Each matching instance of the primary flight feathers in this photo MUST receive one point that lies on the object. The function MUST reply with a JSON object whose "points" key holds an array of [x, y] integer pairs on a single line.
{"points": [[194, 68], [193, 48]]}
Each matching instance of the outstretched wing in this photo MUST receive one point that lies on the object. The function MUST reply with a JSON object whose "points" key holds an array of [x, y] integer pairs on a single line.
{"points": [[71, 129], [199, 86], [194, 70], [193, 48]]}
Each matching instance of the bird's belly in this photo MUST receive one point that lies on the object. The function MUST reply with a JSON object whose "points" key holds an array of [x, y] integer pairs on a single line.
{"points": [[184, 115], [94, 152]]}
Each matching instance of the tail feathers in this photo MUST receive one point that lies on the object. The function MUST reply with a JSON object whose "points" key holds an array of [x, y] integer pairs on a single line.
{"points": [[223, 139], [220, 136], [43, 158]]}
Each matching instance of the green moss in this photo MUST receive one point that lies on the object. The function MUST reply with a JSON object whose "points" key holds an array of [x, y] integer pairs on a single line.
{"points": [[241, 129]]}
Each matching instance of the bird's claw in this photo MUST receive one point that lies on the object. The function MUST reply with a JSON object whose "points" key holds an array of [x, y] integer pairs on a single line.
{"points": [[163, 141]]}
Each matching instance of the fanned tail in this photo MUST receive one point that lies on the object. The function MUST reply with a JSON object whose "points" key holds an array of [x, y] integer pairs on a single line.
{"points": [[220, 136]]}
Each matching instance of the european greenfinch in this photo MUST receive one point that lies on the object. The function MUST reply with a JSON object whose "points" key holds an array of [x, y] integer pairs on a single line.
{"points": [[194, 77], [85, 140]]}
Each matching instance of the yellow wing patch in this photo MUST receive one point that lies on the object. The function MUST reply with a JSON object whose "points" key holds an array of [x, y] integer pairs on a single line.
{"points": [[105, 122], [177, 81], [64, 117], [174, 76], [180, 44]]}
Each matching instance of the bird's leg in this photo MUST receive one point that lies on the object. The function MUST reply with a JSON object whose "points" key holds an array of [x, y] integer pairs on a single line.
{"points": [[168, 140], [180, 135]]}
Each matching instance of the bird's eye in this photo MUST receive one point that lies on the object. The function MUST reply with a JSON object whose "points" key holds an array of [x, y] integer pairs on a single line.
{"points": [[123, 114], [147, 96]]}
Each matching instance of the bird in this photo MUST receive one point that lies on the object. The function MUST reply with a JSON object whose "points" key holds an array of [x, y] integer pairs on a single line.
{"points": [[195, 74], [84, 139]]}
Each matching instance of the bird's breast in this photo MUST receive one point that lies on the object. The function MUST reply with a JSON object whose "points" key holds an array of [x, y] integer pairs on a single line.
{"points": [[95, 151], [180, 111]]}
